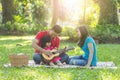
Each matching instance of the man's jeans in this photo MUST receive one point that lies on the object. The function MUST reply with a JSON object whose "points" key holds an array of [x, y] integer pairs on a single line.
{"points": [[38, 58], [77, 60]]}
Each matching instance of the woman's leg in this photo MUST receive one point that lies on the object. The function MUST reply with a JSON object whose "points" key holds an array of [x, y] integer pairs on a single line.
{"points": [[80, 62], [37, 58], [77, 57]]}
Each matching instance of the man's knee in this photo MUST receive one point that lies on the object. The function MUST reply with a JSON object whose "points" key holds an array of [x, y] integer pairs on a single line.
{"points": [[64, 58], [37, 58]]}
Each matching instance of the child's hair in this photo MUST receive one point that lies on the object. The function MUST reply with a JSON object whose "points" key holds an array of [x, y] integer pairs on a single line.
{"points": [[45, 39]]}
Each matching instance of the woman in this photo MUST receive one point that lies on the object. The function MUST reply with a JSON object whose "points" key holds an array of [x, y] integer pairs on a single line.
{"points": [[88, 45]]}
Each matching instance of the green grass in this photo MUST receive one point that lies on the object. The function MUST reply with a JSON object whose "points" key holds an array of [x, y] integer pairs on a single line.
{"points": [[105, 52]]}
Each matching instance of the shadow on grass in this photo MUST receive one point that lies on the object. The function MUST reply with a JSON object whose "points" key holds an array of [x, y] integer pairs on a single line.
{"points": [[12, 41]]}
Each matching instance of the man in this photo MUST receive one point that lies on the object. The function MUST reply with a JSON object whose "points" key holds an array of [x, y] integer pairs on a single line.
{"points": [[36, 44]]}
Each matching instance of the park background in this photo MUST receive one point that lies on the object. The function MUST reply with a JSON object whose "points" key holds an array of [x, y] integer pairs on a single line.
{"points": [[20, 20]]}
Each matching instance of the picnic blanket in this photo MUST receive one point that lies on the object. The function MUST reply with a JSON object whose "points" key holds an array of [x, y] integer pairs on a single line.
{"points": [[109, 64]]}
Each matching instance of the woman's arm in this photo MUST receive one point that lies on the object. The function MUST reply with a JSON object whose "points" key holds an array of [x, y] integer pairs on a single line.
{"points": [[90, 47]]}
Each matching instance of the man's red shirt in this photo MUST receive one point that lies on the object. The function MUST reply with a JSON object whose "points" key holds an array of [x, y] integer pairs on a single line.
{"points": [[55, 42]]}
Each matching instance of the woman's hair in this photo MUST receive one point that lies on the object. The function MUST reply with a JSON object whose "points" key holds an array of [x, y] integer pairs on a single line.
{"points": [[84, 34], [45, 39]]}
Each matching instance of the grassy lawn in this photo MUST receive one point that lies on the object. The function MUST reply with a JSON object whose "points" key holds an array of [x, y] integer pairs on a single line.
{"points": [[105, 52]]}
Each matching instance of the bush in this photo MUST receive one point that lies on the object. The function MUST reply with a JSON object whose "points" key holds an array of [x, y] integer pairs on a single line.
{"points": [[70, 32], [22, 28], [106, 33]]}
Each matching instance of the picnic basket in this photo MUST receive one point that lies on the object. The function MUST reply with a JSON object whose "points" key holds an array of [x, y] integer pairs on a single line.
{"points": [[19, 60]]}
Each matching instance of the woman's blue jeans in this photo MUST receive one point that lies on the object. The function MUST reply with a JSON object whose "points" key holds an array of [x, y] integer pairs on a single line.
{"points": [[77, 60], [38, 58]]}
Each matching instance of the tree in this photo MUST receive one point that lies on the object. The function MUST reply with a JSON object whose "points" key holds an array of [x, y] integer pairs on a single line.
{"points": [[58, 12], [108, 12], [55, 12], [7, 10]]}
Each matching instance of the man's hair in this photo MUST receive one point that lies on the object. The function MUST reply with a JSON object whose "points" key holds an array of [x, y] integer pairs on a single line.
{"points": [[57, 29]]}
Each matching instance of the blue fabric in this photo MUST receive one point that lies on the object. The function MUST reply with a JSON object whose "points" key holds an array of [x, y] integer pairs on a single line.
{"points": [[86, 50], [77, 60], [38, 58]]}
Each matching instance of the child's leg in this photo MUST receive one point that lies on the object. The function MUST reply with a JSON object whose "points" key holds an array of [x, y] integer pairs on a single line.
{"points": [[55, 59], [59, 63], [51, 63]]}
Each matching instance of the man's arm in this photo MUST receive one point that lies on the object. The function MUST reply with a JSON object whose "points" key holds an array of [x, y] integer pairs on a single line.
{"points": [[36, 46]]}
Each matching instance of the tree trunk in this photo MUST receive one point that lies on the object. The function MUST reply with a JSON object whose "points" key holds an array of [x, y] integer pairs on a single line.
{"points": [[55, 12], [7, 10], [108, 12], [59, 12]]}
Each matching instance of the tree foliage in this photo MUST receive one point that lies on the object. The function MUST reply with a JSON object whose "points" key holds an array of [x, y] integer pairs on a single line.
{"points": [[108, 12]]}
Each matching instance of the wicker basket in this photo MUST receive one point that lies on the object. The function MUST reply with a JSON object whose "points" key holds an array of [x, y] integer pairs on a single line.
{"points": [[19, 60]]}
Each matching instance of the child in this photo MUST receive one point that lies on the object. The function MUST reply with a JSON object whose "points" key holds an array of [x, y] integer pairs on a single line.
{"points": [[46, 44]]}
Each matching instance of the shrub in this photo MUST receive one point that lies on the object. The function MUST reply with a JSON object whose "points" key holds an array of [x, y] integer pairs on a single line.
{"points": [[22, 28], [106, 33], [70, 32]]}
